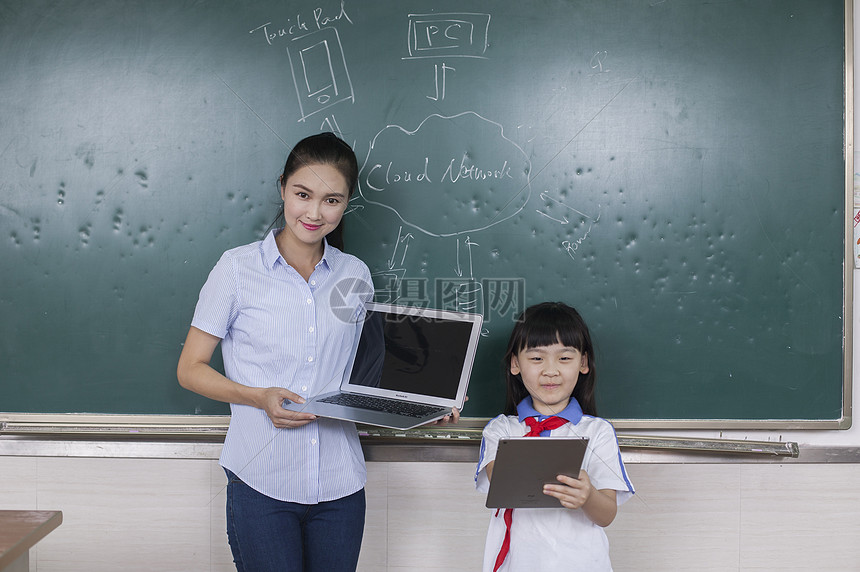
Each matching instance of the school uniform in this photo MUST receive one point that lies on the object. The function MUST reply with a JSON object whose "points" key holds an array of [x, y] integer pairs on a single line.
{"points": [[554, 538]]}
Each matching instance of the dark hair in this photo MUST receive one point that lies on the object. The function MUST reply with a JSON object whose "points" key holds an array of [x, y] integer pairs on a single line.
{"points": [[322, 149], [546, 324]]}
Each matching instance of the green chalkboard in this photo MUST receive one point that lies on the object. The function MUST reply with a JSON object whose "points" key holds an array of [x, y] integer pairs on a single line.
{"points": [[675, 170]]}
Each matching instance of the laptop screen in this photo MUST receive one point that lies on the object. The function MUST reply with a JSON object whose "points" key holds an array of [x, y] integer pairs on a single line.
{"points": [[420, 353]]}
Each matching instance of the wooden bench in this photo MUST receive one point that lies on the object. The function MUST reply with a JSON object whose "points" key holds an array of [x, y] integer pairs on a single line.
{"points": [[20, 530]]}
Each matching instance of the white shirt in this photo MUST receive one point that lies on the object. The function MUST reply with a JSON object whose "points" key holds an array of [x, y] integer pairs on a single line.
{"points": [[278, 330], [550, 539]]}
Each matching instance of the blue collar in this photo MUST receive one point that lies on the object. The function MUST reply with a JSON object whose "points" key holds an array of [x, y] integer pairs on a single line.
{"points": [[271, 254], [571, 413], [269, 249]]}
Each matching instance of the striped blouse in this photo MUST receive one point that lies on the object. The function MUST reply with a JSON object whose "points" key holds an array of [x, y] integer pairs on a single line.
{"points": [[277, 330]]}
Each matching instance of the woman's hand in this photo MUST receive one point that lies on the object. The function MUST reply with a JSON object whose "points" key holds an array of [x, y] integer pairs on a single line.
{"points": [[454, 417], [195, 374], [271, 400]]}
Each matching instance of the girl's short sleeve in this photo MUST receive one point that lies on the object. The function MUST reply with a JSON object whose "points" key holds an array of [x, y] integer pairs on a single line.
{"points": [[495, 430], [604, 465], [218, 302]]}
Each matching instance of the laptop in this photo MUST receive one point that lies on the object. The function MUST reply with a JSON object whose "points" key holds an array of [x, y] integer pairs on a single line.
{"points": [[410, 366], [524, 465]]}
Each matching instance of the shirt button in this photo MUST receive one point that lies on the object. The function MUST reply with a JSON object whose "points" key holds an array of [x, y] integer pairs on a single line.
{"points": [[313, 282], [310, 301], [304, 388], [313, 441], [311, 329], [310, 358]]}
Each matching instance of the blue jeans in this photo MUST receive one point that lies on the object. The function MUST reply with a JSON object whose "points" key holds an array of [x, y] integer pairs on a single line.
{"points": [[268, 535]]}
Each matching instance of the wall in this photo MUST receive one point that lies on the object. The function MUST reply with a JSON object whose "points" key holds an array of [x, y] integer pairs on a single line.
{"points": [[158, 514]]}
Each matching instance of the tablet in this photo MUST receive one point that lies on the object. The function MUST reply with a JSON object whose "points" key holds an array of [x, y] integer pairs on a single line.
{"points": [[525, 464]]}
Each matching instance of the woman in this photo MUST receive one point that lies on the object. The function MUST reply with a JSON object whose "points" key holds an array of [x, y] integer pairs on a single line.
{"points": [[283, 309]]}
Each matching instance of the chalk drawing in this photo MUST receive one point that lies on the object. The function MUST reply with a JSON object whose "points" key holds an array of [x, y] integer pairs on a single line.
{"points": [[447, 35], [451, 175], [319, 70], [440, 94]]}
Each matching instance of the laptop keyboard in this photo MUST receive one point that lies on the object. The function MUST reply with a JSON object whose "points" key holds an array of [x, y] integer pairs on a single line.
{"points": [[381, 404]]}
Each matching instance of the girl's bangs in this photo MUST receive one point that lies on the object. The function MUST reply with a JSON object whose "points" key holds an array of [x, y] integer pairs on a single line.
{"points": [[547, 330]]}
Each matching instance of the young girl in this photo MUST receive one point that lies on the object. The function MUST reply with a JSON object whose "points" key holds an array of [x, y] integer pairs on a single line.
{"points": [[550, 393], [283, 309]]}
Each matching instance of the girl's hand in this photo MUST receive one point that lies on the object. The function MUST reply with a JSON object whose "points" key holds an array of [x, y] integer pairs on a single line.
{"points": [[599, 505], [271, 401], [572, 493]]}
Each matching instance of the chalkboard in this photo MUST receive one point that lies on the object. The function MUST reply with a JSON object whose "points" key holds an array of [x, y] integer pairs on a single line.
{"points": [[673, 169]]}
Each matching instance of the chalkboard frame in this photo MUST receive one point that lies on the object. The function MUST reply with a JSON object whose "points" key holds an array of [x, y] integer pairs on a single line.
{"points": [[73, 423]]}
